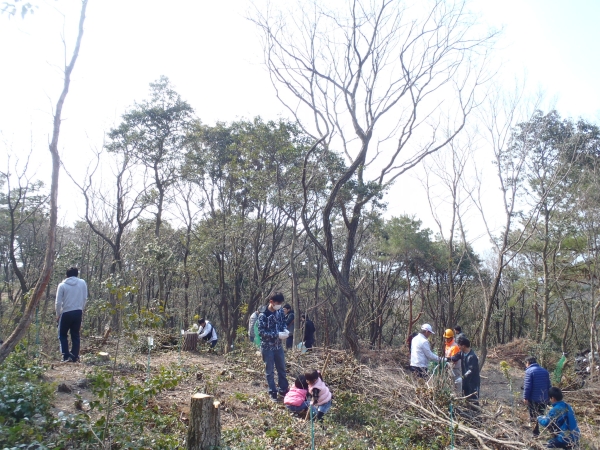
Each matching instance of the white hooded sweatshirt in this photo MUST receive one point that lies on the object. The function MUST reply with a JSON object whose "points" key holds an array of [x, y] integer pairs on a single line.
{"points": [[71, 295]]}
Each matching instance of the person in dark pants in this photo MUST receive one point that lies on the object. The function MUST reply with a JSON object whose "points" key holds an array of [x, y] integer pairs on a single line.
{"points": [[207, 332], [309, 331], [272, 331], [470, 370], [535, 391], [71, 297], [289, 322]]}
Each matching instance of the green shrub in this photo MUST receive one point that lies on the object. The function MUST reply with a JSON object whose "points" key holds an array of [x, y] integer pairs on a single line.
{"points": [[25, 401]]}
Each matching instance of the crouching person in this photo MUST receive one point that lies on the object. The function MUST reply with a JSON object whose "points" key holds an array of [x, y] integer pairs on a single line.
{"points": [[321, 395], [560, 421], [296, 399], [207, 332]]}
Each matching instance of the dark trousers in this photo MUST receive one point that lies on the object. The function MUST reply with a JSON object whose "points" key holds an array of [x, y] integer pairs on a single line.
{"points": [[70, 322], [420, 372], [536, 409], [289, 342], [472, 392], [555, 443], [275, 359]]}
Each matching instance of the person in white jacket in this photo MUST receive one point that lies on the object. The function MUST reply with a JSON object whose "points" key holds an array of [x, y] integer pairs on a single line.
{"points": [[71, 297], [420, 353], [207, 332]]}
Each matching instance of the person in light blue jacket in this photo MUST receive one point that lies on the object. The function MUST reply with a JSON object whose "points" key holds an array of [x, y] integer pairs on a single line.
{"points": [[560, 421]]}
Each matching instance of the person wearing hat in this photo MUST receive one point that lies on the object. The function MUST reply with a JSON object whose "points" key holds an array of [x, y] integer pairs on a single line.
{"points": [[272, 331], [420, 352], [452, 354]]}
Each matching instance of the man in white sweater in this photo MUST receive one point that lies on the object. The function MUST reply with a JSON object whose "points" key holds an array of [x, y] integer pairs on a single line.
{"points": [[71, 297], [420, 353]]}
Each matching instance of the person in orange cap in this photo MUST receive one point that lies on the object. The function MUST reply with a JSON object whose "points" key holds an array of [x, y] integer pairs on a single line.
{"points": [[452, 354]]}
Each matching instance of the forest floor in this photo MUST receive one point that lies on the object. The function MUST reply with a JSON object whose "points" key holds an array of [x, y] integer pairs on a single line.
{"points": [[237, 381]]}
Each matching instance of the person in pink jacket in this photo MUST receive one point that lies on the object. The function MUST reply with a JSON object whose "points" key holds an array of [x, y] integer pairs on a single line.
{"points": [[296, 398], [320, 393]]}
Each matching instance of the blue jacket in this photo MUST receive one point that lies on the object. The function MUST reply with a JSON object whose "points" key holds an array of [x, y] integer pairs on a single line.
{"points": [[537, 383], [561, 420], [270, 324]]}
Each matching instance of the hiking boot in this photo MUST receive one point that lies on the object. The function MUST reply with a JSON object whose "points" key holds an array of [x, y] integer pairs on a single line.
{"points": [[67, 360], [273, 397]]}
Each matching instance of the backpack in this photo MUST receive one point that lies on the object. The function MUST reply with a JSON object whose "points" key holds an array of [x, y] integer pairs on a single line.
{"points": [[208, 337]]}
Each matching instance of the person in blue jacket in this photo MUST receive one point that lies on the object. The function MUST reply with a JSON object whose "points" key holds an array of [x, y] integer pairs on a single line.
{"points": [[535, 391], [272, 331], [560, 421]]}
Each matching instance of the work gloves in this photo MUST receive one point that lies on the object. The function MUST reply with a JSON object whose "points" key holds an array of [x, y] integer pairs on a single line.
{"points": [[283, 335]]}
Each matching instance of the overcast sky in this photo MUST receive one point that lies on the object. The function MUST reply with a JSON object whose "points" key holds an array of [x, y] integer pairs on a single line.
{"points": [[213, 57]]}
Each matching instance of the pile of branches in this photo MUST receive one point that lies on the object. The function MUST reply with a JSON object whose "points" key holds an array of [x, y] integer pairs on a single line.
{"points": [[514, 352], [405, 400]]}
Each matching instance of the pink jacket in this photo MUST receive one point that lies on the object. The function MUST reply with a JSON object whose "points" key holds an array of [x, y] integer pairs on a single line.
{"points": [[295, 396], [324, 392]]}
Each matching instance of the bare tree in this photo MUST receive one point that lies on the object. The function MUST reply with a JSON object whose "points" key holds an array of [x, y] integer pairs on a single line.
{"points": [[38, 291], [109, 212], [23, 203], [449, 169], [499, 117], [384, 84]]}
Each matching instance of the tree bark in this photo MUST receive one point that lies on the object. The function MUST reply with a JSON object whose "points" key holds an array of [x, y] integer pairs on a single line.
{"points": [[190, 342], [204, 431]]}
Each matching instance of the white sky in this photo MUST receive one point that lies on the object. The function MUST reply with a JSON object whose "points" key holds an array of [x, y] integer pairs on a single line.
{"points": [[213, 57]]}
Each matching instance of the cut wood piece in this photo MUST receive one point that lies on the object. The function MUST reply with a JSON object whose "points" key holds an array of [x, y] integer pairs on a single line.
{"points": [[107, 331], [190, 341], [103, 356], [204, 430]]}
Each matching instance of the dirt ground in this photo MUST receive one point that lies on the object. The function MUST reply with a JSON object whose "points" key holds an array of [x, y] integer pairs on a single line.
{"points": [[237, 380]]}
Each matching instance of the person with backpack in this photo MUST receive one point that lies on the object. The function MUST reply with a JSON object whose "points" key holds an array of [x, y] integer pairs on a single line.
{"points": [[207, 332], [251, 322]]}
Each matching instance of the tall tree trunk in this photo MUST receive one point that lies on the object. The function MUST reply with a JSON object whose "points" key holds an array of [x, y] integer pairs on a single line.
{"points": [[38, 291]]}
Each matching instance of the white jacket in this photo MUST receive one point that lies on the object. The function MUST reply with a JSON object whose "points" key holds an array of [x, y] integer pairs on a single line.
{"points": [[421, 353], [71, 295], [207, 329]]}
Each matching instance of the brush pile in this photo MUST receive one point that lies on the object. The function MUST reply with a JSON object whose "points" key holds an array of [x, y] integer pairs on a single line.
{"points": [[432, 403]]}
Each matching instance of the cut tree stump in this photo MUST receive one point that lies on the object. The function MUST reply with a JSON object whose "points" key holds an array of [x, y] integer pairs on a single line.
{"points": [[204, 430], [103, 356], [190, 341]]}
